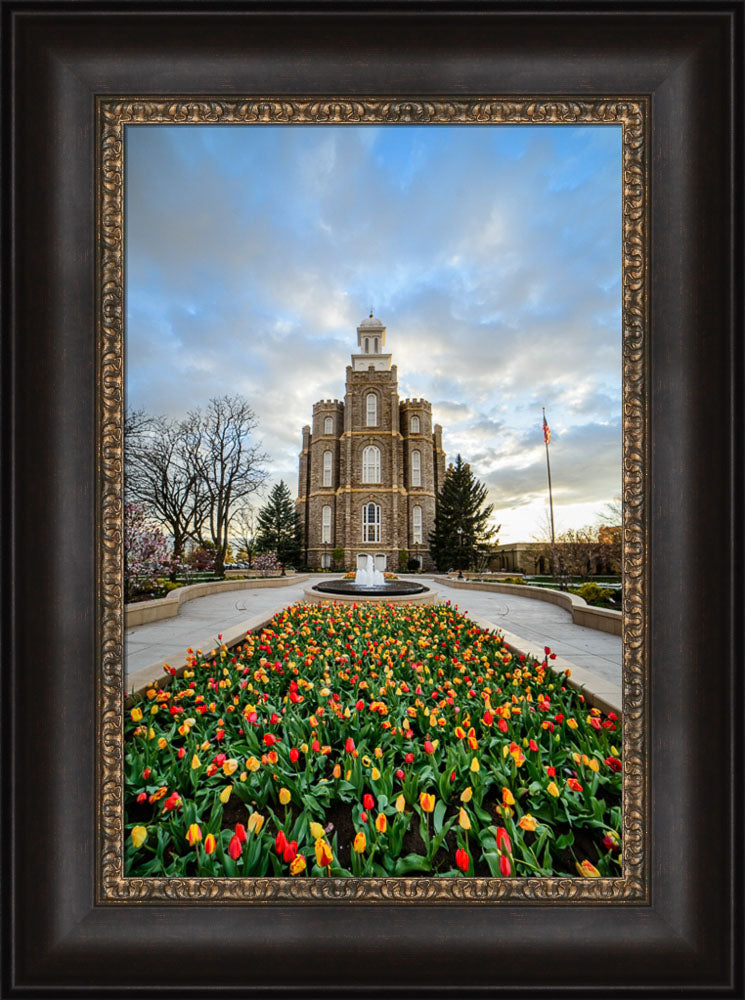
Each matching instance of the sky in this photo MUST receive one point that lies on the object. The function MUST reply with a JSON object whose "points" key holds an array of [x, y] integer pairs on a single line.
{"points": [[492, 253]]}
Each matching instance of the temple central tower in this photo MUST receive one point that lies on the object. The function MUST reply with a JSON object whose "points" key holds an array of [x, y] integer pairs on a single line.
{"points": [[370, 467]]}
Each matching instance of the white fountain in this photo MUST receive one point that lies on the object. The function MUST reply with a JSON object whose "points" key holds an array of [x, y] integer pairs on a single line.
{"points": [[369, 576]]}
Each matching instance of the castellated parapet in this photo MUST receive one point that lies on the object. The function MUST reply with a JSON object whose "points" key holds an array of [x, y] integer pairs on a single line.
{"points": [[370, 466]]}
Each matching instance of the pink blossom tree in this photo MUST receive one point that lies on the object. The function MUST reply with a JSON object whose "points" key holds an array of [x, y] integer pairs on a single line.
{"points": [[147, 552]]}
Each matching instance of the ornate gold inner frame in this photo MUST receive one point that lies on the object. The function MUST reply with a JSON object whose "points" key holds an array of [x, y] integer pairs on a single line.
{"points": [[113, 114]]}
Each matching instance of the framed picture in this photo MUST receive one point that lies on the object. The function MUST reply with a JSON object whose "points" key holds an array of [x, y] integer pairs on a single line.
{"points": [[411, 785], [76, 918]]}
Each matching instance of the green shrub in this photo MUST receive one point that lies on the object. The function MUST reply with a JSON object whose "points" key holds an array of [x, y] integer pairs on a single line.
{"points": [[599, 597]]}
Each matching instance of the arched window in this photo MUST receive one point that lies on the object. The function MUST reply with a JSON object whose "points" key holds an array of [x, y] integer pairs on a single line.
{"points": [[327, 459], [367, 345], [414, 426], [372, 409], [371, 523], [376, 346], [371, 464], [326, 525], [328, 425], [416, 468], [417, 525]]}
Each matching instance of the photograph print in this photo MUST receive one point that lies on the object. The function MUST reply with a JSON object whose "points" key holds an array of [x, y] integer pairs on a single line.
{"points": [[376, 607]]}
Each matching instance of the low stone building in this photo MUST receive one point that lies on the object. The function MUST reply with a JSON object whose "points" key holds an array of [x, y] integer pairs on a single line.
{"points": [[370, 467]]}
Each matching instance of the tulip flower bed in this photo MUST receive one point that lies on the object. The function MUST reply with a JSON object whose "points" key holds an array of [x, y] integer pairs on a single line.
{"points": [[370, 741]]}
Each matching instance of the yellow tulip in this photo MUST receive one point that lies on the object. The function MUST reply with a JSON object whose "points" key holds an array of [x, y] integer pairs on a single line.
{"points": [[528, 822], [467, 794], [225, 793], [194, 834], [552, 789], [572, 723], [375, 774], [253, 764], [138, 835], [255, 823], [360, 842], [317, 832], [195, 762], [427, 802], [400, 803], [381, 823], [475, 765], [229, 767], [463, 821], [324, 855], [136, 714], [162, 743], [297, 865], [284, 796], [508, 799]]}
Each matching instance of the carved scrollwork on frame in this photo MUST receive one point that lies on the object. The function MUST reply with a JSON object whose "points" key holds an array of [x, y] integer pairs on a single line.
{"points": [[113, 114]]}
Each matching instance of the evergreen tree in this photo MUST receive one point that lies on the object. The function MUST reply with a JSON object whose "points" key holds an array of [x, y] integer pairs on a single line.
{"points": [[279, 527], [461, 519]]}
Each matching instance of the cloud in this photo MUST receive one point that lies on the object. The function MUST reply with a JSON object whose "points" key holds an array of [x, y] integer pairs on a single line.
{"points": [[491, 253]]}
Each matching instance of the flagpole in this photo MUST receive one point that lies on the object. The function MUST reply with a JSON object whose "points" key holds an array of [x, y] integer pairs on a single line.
{"points": [[546, 439]]}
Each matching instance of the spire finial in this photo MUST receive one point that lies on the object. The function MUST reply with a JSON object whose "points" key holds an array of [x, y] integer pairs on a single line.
{"points": [[371, 312]]}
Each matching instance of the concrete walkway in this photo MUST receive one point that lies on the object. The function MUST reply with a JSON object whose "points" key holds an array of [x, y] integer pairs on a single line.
{"points": [[528, 624]]}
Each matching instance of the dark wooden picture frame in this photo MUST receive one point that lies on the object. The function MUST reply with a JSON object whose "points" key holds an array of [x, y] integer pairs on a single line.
{"points": [[57, 939]]}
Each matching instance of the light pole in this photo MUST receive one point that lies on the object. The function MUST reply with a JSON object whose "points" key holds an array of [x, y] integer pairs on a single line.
{"points": [[460, 553]]}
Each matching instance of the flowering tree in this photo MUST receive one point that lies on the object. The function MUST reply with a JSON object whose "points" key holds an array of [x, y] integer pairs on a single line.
{"points": [[267, 563], [147, 552]]}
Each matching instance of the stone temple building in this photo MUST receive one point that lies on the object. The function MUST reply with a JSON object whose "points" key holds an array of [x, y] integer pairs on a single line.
{"points": [[370, 467]]}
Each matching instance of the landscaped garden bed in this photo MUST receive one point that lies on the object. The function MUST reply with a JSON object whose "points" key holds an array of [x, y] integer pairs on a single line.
{"points": [[370, 741]]}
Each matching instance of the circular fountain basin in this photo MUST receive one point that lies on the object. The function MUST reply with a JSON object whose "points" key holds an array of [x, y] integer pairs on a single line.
{"points": [[350, 592]]}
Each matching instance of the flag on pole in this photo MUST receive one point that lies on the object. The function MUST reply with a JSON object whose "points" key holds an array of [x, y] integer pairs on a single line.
{"points": [[546, 430]]}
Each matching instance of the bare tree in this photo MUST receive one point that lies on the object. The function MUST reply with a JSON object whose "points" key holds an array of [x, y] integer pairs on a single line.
{"points": [[229, 468], [244, 522], [160, 474]]}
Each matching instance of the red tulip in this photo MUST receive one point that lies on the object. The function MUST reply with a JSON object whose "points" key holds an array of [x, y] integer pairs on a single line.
{"points": [[503, 840], [294, 754], [349, 744], [400, 774], [573, 785], [280, 842], [505, 867], [290, 851], [270, 739], [240, 832], [142, 797], [408, 758], [613, 763], [368, 801], [429, 746], [462, 861], [234, 848]]}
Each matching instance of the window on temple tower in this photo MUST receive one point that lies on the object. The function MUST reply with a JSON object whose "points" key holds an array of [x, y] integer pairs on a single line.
{"points": [[414, 428], [328, 425], [371, 464], [327, 459], [372, 409], [417, 525], [416, 468], [326, 525], [367, 345], [371, 523]]}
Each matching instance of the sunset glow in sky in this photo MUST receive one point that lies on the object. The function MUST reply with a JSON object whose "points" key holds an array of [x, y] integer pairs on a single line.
{"points": [[492, 253]]}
